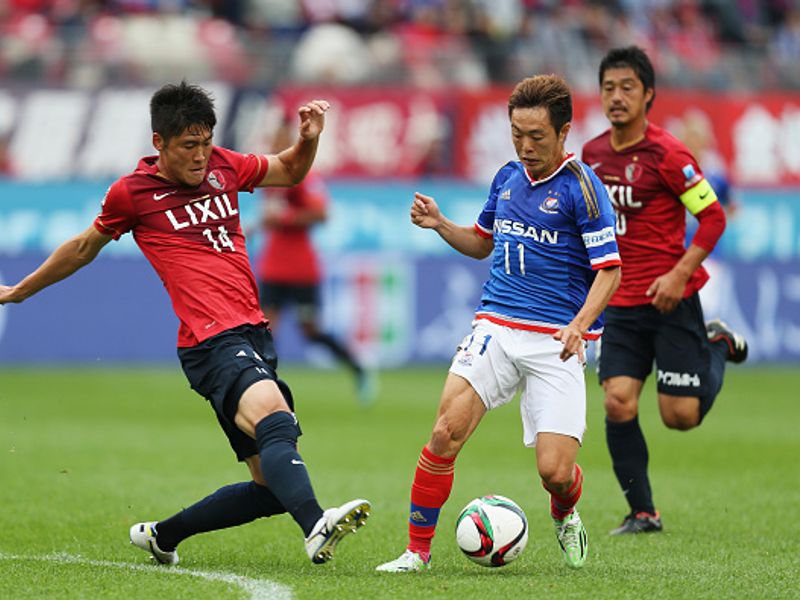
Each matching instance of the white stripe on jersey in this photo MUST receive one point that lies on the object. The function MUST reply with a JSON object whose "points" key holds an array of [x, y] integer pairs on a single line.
{"points": [[611, 256]]}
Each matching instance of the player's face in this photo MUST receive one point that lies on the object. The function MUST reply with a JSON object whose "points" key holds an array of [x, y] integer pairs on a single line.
{"points": [[184, 158], [623, 96], [538, 145]]}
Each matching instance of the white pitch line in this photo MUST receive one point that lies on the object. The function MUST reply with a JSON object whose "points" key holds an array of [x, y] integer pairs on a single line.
{"points": [[259, 589]]}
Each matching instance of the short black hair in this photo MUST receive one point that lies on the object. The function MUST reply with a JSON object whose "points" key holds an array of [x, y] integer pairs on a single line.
{"points": [[177, 107], [547, 91], [634, 58]]}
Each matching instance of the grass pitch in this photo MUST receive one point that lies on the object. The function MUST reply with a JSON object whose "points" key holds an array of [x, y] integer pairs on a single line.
{"points": [[87, 452]]}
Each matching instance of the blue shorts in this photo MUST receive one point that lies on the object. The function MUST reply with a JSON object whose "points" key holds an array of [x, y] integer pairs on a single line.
{"points": [[635, 336], [222, 367]]}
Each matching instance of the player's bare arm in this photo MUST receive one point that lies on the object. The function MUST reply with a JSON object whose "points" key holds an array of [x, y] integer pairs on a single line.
{"points": [[667, 290], [63, 262], [605, 284], [425, 213], [290, 166]]}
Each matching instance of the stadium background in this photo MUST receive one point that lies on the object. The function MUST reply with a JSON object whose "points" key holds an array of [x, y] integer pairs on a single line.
{"points": [[418, 91]]}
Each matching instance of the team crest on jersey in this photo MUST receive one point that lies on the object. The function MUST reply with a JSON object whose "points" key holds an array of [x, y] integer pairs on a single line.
{"points": [[216, 180], [549, 205], [506, 195], [633, 172]]}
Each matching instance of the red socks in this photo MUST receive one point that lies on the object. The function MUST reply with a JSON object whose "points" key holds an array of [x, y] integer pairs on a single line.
{"points": [[561, 506], [433, 481]]}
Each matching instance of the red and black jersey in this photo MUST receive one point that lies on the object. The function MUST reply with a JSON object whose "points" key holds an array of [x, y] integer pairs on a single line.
{"points": [[645, 182], [193, 239]]}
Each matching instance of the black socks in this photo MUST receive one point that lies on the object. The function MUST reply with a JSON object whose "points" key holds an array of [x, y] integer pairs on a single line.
{"points": [[284, 469], [229, 506], [629, 456]]}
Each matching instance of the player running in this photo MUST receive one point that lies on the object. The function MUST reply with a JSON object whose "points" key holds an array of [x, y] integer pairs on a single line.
{"points": [[652, 181], [182, 208], [549, 227]]}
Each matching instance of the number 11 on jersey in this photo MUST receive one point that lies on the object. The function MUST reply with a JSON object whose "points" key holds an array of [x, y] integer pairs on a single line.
{"points": [[520, 252]]}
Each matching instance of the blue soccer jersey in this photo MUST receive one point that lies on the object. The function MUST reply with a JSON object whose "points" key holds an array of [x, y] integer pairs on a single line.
{"points": [[549, 237]]}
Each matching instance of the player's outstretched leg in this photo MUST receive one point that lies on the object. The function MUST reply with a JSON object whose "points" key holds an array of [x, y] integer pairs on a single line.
{"points": [[572, 538], [332, 526], [719, 331], [640, 522], [143, 535]]}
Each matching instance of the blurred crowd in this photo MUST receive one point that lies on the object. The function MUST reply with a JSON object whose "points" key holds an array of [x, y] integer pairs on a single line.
{"points": [[709, 44]]}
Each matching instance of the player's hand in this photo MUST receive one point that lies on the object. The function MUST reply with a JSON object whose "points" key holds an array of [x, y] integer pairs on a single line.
{"points": [[667, 292], [9, 295], [312, 118], [425, 212], [572, 339]]}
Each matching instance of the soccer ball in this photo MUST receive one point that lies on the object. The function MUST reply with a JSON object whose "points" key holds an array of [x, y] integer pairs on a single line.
{"points": [[492, 531]]}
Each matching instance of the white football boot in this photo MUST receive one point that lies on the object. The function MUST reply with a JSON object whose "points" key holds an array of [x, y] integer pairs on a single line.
{"points": [[408, 562], [143, 535], [332, 526]]}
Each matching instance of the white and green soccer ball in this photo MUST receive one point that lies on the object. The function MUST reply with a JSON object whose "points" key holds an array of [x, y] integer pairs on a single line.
{"points": [[492, 531]]}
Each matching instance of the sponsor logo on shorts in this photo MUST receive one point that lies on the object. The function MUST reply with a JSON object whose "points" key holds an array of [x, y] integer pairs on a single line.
{"points": [[679, 379]]}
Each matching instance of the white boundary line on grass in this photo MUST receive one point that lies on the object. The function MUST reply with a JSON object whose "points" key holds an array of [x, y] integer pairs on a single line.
{"points": [[259, 589]]}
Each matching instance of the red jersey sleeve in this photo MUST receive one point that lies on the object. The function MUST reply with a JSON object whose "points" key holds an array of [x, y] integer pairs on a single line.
{"points": [[679, 170], [117, 214], [250, 168]]}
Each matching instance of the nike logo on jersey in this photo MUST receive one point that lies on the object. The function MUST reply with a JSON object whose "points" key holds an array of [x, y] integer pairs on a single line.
{"points": [[158, 197]]}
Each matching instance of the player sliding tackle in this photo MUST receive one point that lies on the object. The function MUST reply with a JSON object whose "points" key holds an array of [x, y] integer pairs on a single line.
{"points": [[182, 208], [549, 227]]}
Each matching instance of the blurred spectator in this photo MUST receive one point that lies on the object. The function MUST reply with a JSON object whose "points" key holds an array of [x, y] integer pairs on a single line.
{"points": [[331, 53], [426, 43]]}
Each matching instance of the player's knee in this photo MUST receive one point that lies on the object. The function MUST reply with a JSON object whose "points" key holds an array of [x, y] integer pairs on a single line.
{"points": [[682, 421], [556, 475], [681, 413], [619, 408]]}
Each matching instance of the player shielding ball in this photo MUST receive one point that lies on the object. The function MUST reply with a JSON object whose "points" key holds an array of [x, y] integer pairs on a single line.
{"points": [[655, 314], [549, 227], [182, 208]]}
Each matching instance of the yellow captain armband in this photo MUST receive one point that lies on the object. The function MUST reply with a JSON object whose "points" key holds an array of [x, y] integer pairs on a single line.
{"points": [[699, 197]]}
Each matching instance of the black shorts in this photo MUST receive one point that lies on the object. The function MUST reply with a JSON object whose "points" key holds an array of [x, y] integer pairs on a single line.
{"points": [[635, 336], [279, 295], [222, 367]]}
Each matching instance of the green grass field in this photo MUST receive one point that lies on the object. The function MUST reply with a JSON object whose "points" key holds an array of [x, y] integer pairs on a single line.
{"points": [[86, 453]]}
